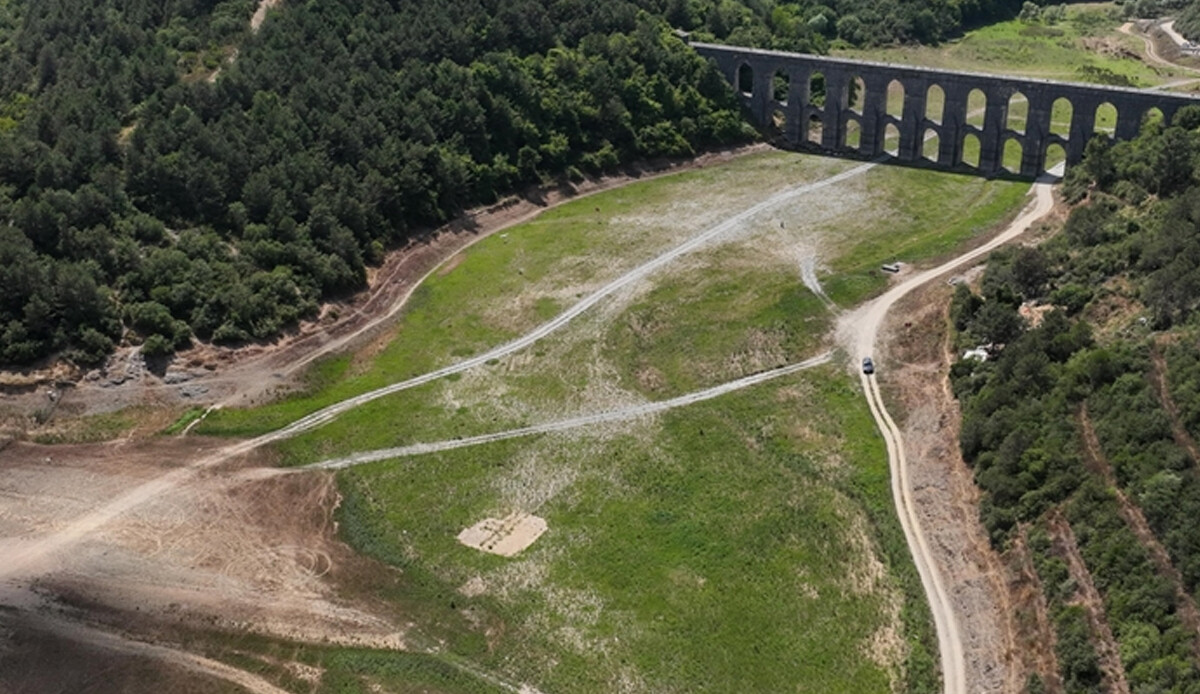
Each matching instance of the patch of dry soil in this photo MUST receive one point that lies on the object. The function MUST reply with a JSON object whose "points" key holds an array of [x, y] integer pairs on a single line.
{"points": [[504, 536], [219, 552]]}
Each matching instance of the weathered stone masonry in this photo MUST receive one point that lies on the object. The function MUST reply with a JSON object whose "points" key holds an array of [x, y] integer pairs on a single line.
{"points": [[836, 116]]}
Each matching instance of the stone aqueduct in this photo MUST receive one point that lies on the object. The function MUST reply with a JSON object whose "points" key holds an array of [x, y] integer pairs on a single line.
{"points": [[929, 117]]}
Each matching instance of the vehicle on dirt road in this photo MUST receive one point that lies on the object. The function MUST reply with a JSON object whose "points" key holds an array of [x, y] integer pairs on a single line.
{"points": [[868, 366]]}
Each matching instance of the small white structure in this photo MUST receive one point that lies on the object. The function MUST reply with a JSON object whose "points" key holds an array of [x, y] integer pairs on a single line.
{"points": [[978, 354]]}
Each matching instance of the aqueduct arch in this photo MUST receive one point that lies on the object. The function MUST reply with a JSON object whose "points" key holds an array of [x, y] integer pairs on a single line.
{"points": [[1034, 114]]}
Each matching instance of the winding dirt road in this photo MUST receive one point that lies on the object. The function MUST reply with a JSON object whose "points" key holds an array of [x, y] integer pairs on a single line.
{"points": [[858, 332], [1152, 56]]}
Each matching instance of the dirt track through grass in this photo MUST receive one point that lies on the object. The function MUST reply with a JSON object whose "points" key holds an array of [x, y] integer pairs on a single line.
{"points": [[732, 223], [28, 555], [634, 412], [74, 531]]}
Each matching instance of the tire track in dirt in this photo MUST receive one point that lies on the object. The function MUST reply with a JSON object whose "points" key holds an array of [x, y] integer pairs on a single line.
{"points": [[114, 643], [1158, 378], [1153, 57], [634, 412]]}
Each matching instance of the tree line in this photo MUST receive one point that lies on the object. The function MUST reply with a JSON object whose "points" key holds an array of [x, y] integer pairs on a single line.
{"points": [[166, 175]]}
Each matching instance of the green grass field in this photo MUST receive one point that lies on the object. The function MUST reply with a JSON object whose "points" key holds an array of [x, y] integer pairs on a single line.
{"points": [[751, 537], [739, 536], [1086, 47], [506, 284], [721, 313], [743, 544]]}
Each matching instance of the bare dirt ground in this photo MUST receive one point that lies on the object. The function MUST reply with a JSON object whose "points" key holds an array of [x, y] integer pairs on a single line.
{"points": [[258, 557]]}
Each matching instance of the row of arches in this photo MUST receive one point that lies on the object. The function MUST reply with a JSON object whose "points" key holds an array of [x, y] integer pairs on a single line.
{"points": [[1016, 110], [930, 150]]}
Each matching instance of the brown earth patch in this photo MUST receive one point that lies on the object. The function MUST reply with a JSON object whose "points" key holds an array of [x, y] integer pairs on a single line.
{"points": [[219, 554], [37, 660], [1108, 46]]}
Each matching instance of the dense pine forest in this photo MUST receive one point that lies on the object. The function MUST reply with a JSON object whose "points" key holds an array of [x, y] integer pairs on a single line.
{"points": [[1088, 420], [166, 174]]}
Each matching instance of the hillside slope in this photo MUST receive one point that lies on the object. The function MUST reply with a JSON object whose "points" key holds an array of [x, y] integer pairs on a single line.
{"points": [[1081, 432]]}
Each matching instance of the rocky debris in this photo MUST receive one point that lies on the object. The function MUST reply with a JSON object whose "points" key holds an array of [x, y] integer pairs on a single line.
{"points": [[122, 367], [193, 391], [178, 376]]}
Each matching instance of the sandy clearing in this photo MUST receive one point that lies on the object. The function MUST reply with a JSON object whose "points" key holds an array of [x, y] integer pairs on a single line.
{"points": [[504, 536], [1169, 29], [254, 557]]}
